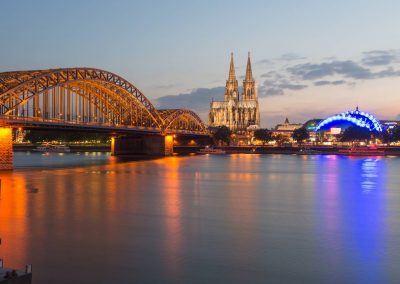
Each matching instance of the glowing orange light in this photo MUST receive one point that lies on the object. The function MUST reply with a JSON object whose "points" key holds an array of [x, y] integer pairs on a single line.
{"points": [[5, 132], [112, 145], [169, 145], [5, 148]]}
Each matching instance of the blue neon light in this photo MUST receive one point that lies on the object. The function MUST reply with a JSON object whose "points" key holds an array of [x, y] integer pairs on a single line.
{"points": [[359, 118]]}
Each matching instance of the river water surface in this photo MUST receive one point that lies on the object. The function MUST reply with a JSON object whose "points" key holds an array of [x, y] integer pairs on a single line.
{"points": [[202, 219]]}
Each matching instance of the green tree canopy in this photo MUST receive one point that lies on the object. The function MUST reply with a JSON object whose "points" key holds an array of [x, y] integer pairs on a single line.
{"points": [[38, 136], [223, 133], [386, 136], [300, 134], [355, 134], [280, 139], [263, 135], [395, 134]]}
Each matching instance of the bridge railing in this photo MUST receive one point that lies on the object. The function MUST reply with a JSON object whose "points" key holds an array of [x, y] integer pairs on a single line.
{"points": [[13, 120]]}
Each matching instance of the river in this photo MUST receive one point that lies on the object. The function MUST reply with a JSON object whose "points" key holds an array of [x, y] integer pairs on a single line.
{"points": [[93, 218]]}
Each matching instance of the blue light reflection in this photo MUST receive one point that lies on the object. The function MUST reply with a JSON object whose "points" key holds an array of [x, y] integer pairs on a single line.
{"points": [[350, 193]]}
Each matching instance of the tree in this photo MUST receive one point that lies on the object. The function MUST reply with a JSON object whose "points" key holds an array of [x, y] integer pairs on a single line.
{"points": [[395, 134], [353, 133], [263, 135], [223, 133], [38, 136], [280, 139], [300, 134], [387, 136]]}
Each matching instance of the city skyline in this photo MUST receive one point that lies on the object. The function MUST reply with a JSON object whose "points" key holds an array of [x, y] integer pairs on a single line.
{"points": [[203, 141], [307, 63]]}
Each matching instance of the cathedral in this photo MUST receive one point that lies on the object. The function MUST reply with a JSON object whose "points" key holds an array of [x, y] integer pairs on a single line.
{"points": [[238, 113]]}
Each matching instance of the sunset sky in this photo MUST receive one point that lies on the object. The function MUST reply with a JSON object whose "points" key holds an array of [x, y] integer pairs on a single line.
{"points": [[310, 58]]}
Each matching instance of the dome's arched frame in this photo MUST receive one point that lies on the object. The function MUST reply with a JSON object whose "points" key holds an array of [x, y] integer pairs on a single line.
{"points": [[356, 117]]}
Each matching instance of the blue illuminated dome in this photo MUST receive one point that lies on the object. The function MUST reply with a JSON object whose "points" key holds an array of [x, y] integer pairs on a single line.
{"points": [[356, 118]]}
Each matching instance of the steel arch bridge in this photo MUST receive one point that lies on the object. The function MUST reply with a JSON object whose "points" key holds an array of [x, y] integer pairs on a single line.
{"points": [[86, 98]]}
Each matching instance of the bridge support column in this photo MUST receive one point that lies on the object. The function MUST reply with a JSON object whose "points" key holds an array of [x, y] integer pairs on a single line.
{"points": [[6, 150], [145, 145], [159, 145], [113, 146]]}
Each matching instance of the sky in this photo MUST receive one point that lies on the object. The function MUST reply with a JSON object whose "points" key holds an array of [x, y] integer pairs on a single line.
{"points": [[311, 58]]}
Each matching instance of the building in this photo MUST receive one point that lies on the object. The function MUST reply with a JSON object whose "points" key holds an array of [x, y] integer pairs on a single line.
{"points": [[332, 128], [337, 123], [286, 129], [236, 112], [287, 126]]}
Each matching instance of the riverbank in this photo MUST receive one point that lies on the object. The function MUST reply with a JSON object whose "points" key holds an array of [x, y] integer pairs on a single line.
{"points": [[74, 148], [10, 275], [289, 150], [186, 150]]}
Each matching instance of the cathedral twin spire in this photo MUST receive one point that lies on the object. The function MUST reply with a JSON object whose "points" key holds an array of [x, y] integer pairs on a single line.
{"points": [[249, 73], [232, 84], [232, 75], [237, 113]]}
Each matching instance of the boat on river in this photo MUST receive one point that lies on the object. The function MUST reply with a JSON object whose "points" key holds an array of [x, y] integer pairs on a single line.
{"points": [[362, 151], [211, 150], [49, 148]]}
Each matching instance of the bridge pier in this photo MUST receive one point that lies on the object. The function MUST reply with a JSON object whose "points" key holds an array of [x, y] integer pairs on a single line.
{"points": [[6, 149], [152, 145]]}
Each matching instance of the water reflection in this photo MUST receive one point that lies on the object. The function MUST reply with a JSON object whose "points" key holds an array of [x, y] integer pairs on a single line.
{"points": [[13, 218], [341, 185], [205, 219], [173, 204], [370, 174]]}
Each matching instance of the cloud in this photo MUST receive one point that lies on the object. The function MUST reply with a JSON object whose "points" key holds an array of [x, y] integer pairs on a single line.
{"points": [[165, 86], [287, 57], [291, 57], [380, 57], [266, 92], [263, 61], [197, 100], [289, 86], [335, 83], [348, 68], [291, 76], [272, 74], [272, 87], [389, 72]]}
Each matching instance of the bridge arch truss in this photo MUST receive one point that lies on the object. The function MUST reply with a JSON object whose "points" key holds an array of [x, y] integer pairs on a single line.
{"points": [[176, 120], [86, 96]]}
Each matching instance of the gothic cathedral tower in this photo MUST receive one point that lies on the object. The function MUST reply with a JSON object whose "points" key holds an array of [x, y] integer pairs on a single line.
{"points": [[249, 85], [250, 112], [231, 88], [239, 115]]}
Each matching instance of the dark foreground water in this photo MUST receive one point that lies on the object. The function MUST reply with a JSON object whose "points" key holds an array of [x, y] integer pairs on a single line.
{"points": [[203, 219]]}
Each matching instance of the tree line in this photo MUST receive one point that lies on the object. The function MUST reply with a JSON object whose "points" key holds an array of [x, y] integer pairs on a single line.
{"points": [[351, 134], [39, 136], [223, 134]]}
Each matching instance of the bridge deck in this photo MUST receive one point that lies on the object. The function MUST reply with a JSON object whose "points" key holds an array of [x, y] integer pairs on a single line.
{"points": [[56, 124]]}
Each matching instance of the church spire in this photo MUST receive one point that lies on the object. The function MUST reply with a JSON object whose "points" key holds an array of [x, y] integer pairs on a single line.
{"points": [[249, 86], [231, 89], [249, 73], [232, 75]]}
